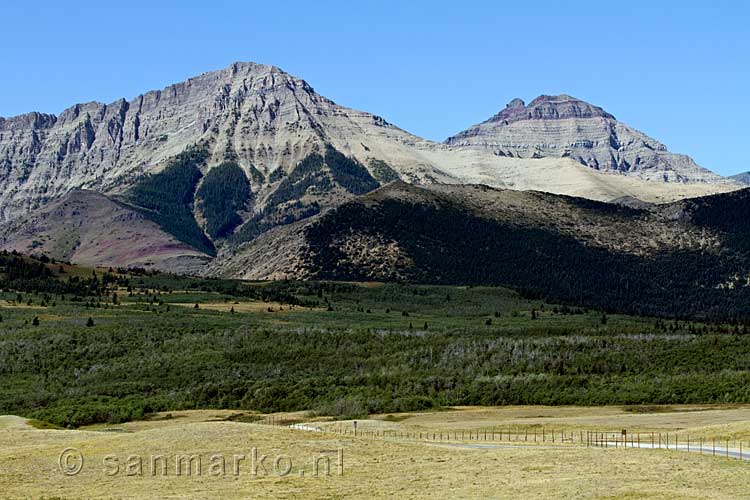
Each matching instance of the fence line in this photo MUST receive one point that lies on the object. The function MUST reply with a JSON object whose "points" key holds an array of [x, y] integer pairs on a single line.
{"points": [[732, 449]]}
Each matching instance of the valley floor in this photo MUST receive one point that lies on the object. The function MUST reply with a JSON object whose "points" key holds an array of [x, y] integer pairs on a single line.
{"points": [[374, 466]]}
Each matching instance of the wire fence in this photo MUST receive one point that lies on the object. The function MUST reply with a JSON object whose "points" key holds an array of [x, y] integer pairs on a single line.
{"points": [[732, 449]]}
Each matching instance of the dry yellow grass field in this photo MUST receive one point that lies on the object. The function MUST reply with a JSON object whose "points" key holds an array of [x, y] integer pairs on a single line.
{"points": [[636, 419], [242, 307], [372, 467]]}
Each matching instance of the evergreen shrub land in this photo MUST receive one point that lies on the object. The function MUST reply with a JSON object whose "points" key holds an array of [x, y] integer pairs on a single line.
{"points": [[449, 245], [167, 198], [224, 192]]}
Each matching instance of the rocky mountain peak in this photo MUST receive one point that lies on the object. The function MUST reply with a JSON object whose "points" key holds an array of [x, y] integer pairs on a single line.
{"points": [[563, 126], [252, 113], [548, 107], [516, 103]]}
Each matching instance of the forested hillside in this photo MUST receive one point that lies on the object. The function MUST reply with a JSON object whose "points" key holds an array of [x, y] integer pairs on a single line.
{"points": [[167, 198], [569, 250], [224, 193]]}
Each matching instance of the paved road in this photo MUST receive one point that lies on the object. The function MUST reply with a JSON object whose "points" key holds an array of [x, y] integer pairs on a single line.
{"points": [[706, 449], [719, 451]]}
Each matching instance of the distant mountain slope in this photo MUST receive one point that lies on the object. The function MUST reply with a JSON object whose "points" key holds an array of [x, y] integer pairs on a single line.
{"points": [[88, 227], [563, 126], [743, 178], [673, 260]]}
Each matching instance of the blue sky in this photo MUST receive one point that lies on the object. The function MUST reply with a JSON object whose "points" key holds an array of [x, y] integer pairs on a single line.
{"points": [[676, 70]]}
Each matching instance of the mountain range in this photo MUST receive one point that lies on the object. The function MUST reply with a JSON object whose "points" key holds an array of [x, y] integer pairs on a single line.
{"points": [[267, 121], [248, 172]]}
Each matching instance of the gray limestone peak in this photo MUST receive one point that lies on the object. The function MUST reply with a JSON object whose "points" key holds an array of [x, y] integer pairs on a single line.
{"points": [[564, 126]]}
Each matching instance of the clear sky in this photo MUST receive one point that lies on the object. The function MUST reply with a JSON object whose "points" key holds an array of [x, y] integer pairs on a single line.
{"points": [[679, 71]]}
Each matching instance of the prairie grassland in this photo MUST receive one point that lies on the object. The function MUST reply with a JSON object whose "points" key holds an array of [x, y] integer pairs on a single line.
{"points": [[372, 468]]}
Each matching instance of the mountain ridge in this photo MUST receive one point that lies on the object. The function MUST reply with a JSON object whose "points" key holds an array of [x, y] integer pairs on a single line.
{"points": [[280, 152], [257, 115], [743, 178]]}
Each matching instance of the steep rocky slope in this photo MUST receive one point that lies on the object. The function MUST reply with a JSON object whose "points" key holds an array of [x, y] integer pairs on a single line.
{"points": [[257, 115], [565, 127]]}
